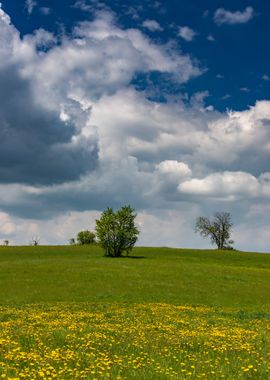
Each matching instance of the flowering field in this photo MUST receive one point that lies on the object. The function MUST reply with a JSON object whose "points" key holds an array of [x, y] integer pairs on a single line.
{"points": [[133, 341]]}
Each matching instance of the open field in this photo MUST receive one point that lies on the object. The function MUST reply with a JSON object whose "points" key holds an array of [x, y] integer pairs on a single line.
{"points": [[70, 313]]}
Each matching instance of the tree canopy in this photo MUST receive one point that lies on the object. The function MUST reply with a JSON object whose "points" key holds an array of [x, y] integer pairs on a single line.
{"points": [[218, 229], [86, 237], [116, 231]]}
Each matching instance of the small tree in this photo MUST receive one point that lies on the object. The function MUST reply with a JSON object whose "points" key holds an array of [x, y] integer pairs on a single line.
{"points": [[116, 231], [72, 241], [6, 242], [35, 241], [219, 229], [86, 237]]}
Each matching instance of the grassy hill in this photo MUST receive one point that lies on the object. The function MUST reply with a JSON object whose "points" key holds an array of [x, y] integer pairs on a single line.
{"points": [[178, 276], [71, 313]]}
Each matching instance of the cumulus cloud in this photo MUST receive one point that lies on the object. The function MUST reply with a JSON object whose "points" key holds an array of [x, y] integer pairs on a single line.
{"points": [[223, 185], [174, 167], [186, 33], [77, 137], [37, 146], [46, 98], [152, 25], [223, 16]]}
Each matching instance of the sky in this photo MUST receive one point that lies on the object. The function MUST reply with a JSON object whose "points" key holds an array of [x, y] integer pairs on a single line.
{"points": [[161, 105]]}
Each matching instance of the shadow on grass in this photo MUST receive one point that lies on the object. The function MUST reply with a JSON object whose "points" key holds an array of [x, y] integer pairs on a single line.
{"points": [[125, 257]]}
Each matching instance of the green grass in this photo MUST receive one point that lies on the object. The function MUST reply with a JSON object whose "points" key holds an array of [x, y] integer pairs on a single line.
{"points": [[178, 276], [68, 312]]}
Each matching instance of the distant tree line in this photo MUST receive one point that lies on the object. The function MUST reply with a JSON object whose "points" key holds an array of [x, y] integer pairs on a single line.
{"points": [[116, 231]]}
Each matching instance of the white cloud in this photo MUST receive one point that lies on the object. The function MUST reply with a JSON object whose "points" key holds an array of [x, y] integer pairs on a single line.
{"points": [[41, 39], [226, 185], [100, 59], [265, 77], [172, 161], [223, 16], [174, 167], [7, 227], [152, 25], [244, 89], [45, 10], [210, 38], [187, 33], [30, 5]]}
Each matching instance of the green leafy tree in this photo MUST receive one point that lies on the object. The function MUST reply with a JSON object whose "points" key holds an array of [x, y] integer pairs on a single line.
{"points": [[86, 237], [116, 231], [218, 229]]}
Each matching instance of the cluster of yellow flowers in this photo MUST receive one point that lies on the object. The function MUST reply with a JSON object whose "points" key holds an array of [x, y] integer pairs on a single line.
{"points": [[132, 341]]}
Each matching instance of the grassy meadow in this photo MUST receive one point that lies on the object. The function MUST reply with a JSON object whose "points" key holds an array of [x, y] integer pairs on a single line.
{"points": [[68, 312]]}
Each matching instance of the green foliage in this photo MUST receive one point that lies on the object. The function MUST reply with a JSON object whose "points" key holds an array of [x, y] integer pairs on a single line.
{"points": [[85, 237], [116, 231], [219, 229]]}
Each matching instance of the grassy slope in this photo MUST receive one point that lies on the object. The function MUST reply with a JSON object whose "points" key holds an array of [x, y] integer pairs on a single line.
{"points": [[179, 276]]}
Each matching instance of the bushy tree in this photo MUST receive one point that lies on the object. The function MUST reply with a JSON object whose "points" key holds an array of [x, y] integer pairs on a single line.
{"points": [[116, 231], [86, 237], [218, 229]]}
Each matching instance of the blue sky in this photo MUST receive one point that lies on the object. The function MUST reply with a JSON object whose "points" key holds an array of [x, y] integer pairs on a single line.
{"points": [[235, 59], [163, 105]]}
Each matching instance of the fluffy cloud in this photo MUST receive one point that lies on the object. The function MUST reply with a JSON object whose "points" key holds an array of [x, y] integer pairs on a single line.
{"points": [[77, 137], [37, 146], [174, 167], [152, 25], [219, 185], [223, 16], [186, 33], [46, 98]]}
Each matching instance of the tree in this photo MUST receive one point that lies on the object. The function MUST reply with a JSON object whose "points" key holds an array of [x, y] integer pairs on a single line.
{"points": [[35, 241], [218, 229], [6, 242], [72, 241], [116, 231], [86, 237]]}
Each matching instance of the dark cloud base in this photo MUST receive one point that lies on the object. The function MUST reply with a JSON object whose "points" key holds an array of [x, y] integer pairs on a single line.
{"points": [[36, 146]]}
